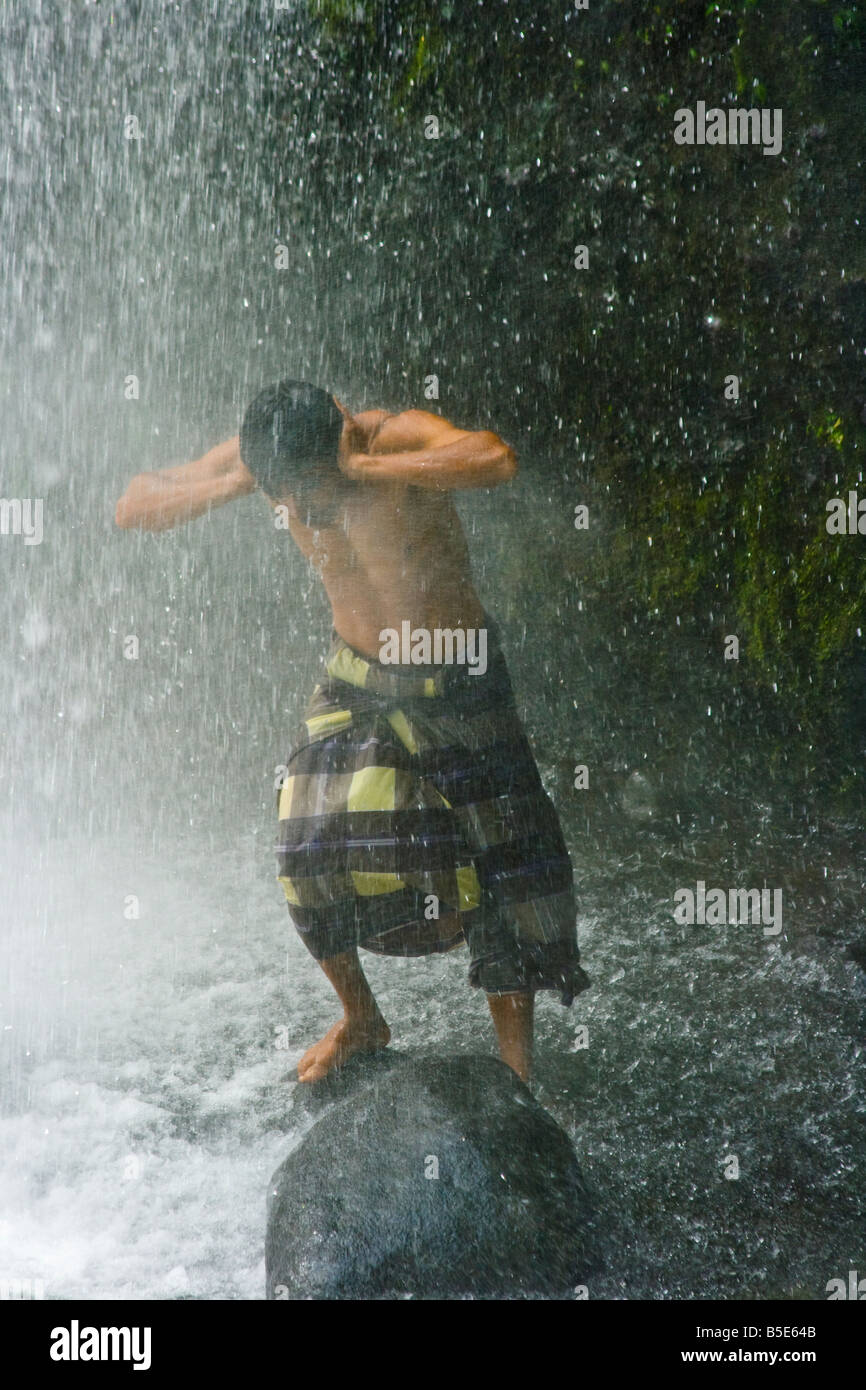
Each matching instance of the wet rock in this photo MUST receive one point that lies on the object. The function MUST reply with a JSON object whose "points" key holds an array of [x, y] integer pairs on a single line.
{"points": [[638, 798], [729, 448], [857, 952], [432, 1177], [515, 177]]}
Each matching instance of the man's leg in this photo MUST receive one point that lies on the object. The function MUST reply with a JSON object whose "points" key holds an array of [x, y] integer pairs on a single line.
{"points": [[362, 1027], [495, 966], [513, 1019]]}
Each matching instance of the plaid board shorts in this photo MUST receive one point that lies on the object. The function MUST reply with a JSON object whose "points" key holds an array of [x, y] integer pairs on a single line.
{"points": [[412, 819]]}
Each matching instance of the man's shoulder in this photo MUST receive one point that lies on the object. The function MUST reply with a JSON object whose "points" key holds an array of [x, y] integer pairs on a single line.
{"points": [[412, 413], [368, 418], [414, 429]]}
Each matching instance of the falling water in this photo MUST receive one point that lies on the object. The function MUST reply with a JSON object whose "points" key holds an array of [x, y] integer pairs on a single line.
{"points": [[154, 998]]}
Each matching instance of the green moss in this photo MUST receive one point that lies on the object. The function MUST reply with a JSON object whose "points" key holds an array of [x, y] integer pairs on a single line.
{"points": [[826, 427], [734, 504]]}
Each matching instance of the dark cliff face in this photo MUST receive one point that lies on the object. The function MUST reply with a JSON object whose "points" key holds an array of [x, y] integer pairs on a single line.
{"points": [[555, 130]]}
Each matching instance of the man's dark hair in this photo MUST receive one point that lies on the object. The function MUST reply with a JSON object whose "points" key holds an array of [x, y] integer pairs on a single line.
{"points": [[288, 431]]}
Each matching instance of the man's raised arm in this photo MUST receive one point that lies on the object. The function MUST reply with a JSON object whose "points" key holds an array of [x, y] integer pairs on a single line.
{"points": [[423, 450], [160, 500]]}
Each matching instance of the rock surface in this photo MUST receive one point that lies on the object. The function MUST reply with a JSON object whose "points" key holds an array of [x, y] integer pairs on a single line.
{"points": [[433, 1177]]}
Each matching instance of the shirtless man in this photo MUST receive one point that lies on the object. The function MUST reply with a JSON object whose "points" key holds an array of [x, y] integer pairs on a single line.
{"points": [[367, 500]]}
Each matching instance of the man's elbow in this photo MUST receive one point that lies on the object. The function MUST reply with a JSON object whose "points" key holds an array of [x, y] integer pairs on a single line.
{"points": [[138, 508], [508, 464], [501, 458], [129, 514], [123, 515], [130, 517], [505, 463]]}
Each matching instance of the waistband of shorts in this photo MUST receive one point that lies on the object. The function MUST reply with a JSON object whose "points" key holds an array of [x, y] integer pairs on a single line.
{"points": [[428, 681]]}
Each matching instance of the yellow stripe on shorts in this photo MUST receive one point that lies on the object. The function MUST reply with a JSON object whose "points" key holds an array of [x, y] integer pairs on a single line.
{"points": [[328, 723], [289, 890], [346, 666], [372, 789], [468, 888], [400, 724], [372, 885], [284, 809]]}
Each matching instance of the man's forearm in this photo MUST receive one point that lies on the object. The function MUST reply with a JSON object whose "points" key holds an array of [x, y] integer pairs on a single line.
{"points": [[222, 458], [154, 502], [467, 463], [159, 500]]}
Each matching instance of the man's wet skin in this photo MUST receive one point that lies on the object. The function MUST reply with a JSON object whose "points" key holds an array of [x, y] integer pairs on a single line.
{"points": [[382, 531], [386, 553]]}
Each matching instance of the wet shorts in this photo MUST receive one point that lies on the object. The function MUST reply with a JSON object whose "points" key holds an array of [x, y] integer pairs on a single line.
{"points": [[412, 819]]}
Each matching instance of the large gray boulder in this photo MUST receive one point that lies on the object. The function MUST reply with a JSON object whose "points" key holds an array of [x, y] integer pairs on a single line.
{"points": [[431, 1177]]}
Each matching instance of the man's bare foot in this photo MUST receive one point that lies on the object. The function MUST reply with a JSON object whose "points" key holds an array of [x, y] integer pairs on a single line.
{"points": [[340, 1043]]}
